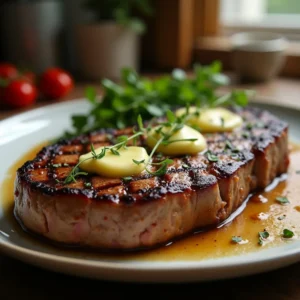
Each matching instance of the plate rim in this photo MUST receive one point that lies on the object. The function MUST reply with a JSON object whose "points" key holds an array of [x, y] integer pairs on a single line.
{"points": [[236, 261]]}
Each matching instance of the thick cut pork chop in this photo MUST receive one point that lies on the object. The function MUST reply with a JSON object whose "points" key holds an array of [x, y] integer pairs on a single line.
{"points": [[145, 211]]}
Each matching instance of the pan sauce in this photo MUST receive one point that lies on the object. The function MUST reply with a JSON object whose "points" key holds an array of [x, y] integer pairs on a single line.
{"points": [[262, 212]]}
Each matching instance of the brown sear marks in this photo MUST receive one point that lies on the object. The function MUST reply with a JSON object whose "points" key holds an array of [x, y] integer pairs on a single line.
{"points": [[79, 184], [104, 183], [71, 148], [40, 164], [70, 159], [62, 173], [39, 175], [143, 184], [115, 192], [186, 172], [98, 138]]}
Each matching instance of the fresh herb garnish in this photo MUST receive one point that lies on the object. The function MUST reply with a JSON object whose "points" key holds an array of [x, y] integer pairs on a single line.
{"points": [[236, 239], [262, 237], [122, 103], [56, 165], [228, 145], [235, 156], [87, 184], [211, 157], [282, 200], [246, 134], [173, 125], [287, 234], [249, 126], [127, 179]]}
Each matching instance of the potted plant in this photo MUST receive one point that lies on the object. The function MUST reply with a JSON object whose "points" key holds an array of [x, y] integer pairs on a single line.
{"points": [[111, 41]]}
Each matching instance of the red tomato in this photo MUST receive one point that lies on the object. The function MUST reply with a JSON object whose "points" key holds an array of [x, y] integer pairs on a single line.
{"points": [[8, 71], [55, 83], [19, 93]]}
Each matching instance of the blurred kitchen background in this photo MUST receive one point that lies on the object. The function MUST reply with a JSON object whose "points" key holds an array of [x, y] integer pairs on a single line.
{"points": [[95, 38]]}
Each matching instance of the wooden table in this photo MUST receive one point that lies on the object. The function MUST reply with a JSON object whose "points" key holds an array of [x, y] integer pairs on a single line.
{"points": [[22, 281]]}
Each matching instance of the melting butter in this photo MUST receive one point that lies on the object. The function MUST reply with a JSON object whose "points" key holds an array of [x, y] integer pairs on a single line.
{"points": [[216, 119], [178, 145], [112, 165]]}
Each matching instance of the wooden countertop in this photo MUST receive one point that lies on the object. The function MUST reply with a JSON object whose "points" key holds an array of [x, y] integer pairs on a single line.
{"points": [[22, 281]]}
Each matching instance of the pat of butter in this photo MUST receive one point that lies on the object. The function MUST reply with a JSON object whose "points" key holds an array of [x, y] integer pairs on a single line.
{"points": [[216, 119], [178, 147], [115, 165]]}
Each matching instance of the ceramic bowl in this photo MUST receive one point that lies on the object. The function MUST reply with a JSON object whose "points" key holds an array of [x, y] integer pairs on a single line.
{"points": [[258, 56]]}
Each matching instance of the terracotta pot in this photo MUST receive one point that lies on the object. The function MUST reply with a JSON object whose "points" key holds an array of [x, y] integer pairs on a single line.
{"points": [[103, 49]]}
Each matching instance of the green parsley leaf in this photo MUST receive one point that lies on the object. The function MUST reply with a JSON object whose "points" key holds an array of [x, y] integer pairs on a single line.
{"points": [[246, 135], [170, 116], [249, 126], [87, 184], [122, 138], [228, 145], [287, 234], [283, 200], [264, 234], [211, 157], [90, 94], [236, 239], [262, 237], [134, 95]]}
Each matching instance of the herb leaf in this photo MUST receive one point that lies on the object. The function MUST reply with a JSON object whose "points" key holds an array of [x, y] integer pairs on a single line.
{"points": [[236, 239], [282, 200], [138, 162], [287, 234], [211, 157], [262, 237], [122, 103]]}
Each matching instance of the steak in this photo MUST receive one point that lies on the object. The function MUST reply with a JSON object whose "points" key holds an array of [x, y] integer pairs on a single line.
{"points": [[147, 210]]}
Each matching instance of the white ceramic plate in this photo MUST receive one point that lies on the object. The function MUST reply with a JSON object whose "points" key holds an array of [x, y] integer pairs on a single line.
{"points": [[22, 132]]}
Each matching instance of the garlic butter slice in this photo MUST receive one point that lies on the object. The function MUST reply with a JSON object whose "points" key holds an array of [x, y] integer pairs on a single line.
{"points": [[216, 119], [115, 165], [178, 147]]}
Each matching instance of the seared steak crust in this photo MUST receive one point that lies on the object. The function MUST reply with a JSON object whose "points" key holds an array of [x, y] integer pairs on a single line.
{"points": [[147, 210]]}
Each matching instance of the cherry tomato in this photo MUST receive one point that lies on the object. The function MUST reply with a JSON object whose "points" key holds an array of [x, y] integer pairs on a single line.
{"points": [[55, 83], [19, 93], [8, 71]]}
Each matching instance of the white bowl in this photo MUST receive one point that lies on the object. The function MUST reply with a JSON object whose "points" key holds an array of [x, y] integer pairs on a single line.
{"points": [[258, 56]]}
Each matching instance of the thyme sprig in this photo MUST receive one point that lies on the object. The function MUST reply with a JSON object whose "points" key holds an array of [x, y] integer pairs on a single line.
{"points": [[173, 124]]}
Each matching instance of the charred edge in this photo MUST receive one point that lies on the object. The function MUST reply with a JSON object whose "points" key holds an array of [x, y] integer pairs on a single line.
{"points": [[220, 169]]}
